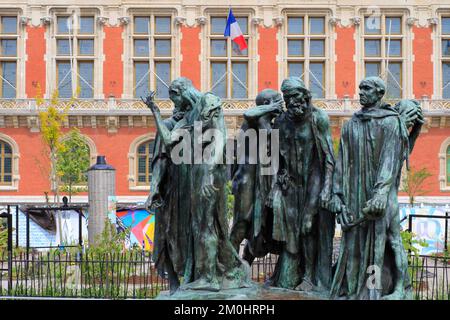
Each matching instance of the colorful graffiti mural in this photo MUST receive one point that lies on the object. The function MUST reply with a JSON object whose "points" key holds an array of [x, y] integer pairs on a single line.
{"points": [[140, 224], [432, 230]]}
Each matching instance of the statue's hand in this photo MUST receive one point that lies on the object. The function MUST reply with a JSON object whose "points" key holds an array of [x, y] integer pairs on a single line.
{"points": [[277, 107], [345, 218], [154, 201], [283, 180], [208, 189], [307, 224], [150, 102], [420, 118], [410, 112], [269, 199], [324, 198], [375, 207], [335, 204], [178, 115]]}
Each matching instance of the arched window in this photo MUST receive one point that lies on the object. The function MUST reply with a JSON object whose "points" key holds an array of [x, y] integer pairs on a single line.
{"points": [[144, 157], [6, 158], [444, 165]]}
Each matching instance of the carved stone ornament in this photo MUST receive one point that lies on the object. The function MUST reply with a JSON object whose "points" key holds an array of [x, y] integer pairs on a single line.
{"points": [[334, 21], [124, 20], [356, 20], [201, 20], [46, 20], [102, 20], [24, 20], [411, 21], [433, 21], [257, 21], [180, 20], [278, 21]]}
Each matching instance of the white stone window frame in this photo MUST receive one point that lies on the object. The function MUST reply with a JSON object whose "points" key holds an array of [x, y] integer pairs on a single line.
{"points": [[329, 59], [438, 37], [92, 152], [14, 186], [133, 184], [52, 57], [252, 48], [21, 56], [128, 55], [407, 52], [443, 165]]}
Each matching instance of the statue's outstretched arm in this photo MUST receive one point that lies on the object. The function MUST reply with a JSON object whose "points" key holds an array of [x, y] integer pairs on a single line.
{"points": [[255, 113], [163, 131]]}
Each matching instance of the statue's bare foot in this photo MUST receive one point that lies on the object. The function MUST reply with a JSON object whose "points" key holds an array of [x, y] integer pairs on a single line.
{"points": [[203, 284], [306, 285], [173, 289], [398, 294], [174, 284]]}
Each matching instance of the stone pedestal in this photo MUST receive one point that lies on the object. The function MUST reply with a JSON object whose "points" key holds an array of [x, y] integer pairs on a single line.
{"points": [[255, 292]]}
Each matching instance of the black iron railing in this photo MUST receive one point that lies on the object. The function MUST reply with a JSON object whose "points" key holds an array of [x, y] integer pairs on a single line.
{"points": [[133, 275], [109, 275]]}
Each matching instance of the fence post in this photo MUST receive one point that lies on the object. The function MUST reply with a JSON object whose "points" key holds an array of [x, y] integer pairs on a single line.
{"points": [[409, 230], [10, 245], [446, 231], [17, 226], [28, 233], [107, 276], [80, 227]]}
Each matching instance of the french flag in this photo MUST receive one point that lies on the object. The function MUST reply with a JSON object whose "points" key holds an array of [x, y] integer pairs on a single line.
{"points": [[234, 31]]}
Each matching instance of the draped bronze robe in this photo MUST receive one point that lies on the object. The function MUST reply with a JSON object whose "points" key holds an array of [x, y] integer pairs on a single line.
{"points": [[373, 147]]}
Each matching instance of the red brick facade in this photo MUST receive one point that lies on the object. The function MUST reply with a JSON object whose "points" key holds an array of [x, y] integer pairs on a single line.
{"points": [[34, 165]]}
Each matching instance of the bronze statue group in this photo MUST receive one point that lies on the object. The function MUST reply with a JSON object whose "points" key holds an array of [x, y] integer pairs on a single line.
{"points": [[291, 213]]}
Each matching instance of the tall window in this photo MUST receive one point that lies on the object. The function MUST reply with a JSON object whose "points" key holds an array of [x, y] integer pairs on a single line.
{"points": [[445, 43], [144, 160], [5, 163], [152, 55], [75, 55], [306, 47], [8, 56], [383, 51], [228, 65]]}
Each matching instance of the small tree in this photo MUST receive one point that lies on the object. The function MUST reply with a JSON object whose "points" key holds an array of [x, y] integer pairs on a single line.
{"points": [[335, 142], [414, 183], [51, 121], [230, 202], [72, 161]]}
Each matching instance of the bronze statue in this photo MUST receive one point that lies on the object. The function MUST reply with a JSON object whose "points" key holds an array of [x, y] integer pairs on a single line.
{"points": [[170, 182], [301, 193], [374, 144], [213, 264], [191, 233], [251, 186]]}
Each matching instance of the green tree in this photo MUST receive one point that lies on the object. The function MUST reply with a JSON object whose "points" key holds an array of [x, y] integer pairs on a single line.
{"points": [[230, 201], [413, 183], [335, 142], [72, 162], [3, 237], [51, 121]]}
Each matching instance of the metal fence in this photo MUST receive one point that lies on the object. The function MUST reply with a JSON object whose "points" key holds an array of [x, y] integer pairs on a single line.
{"points": [[109, 276], [430, 277], [133, 275]]}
